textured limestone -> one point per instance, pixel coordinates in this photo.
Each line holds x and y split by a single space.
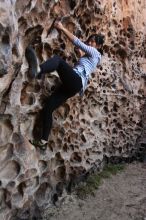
105 123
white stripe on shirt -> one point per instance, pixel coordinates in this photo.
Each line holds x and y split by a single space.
87 63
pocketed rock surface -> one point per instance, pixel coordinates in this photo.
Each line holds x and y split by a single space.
107 123
121 197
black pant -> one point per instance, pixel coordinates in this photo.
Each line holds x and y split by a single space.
71 84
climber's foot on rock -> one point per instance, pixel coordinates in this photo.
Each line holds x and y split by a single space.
42 144
31 58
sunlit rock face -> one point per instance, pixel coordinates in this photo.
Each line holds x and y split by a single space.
105 123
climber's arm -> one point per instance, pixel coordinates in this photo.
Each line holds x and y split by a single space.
60 27
91 51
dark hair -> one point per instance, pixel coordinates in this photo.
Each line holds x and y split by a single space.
99 39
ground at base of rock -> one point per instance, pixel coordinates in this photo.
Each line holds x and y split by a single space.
121 197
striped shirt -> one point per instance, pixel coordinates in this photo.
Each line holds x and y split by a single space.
87 63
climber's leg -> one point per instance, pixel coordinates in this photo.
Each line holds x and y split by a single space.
53 102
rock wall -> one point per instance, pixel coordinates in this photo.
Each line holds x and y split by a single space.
105 123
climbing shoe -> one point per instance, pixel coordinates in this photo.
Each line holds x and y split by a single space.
42 144
32 62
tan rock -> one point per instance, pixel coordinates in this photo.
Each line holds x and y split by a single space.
107 122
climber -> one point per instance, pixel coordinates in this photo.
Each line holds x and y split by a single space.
74 79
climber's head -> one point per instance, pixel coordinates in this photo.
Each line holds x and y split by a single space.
96 40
